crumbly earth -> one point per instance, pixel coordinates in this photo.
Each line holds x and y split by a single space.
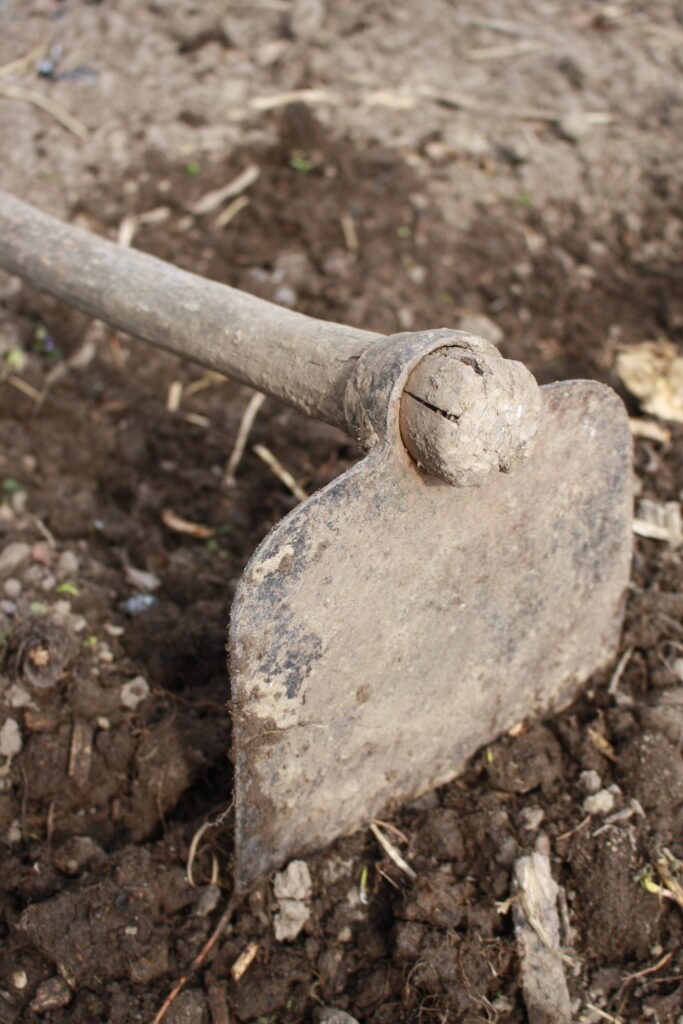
518 163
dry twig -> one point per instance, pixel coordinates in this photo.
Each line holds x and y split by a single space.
662 962
174 396
210 201
283 99
244 961
280 472
619 670
246 423
392 852
50 106
230 212
198 960
22 65
192 852
179 525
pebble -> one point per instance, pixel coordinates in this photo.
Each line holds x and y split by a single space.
531 818
294 882
20 980
427 802
134 692
481 326
17 696
189 1008
12 588
8 607
14 834
10 739
13 556
292 888
208 900
306 19
52 994
574 126
19 501
590 781
77 853
141 579
601 802
331 1015
285 296
68 564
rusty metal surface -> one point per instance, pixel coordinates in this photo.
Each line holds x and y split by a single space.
391 624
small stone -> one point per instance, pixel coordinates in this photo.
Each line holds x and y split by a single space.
289 919
285 296
13 834
189 1008
482 327
13 556
574 126
42 554
601 802
678 669
331 1015
19 501
427 802
294 882
12 588
20 980
17 696
8 607
141 579
306 19
52 994
134 692
10 739
531 818
208 900
49 581
67 565
61 609
77 853
292 888
590 781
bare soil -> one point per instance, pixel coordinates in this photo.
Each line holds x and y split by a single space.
567 235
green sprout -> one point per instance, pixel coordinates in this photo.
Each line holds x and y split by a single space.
67 587
15 360
10 485
300 162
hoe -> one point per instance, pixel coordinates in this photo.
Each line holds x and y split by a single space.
468 572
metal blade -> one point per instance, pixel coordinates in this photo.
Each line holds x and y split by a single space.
392 624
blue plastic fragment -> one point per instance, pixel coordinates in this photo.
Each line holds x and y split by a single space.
139 603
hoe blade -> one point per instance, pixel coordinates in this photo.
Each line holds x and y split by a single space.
392 624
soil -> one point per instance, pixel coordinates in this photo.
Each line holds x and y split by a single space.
565 234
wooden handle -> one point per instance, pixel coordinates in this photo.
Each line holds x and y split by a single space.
302 361
466 414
